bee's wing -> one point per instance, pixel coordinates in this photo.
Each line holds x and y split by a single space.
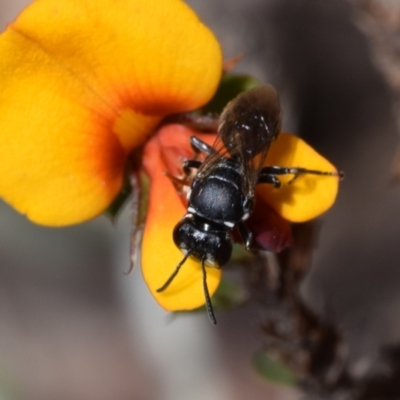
238 142
244 147
211 161
248 125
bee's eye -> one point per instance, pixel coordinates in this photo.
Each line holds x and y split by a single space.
223 250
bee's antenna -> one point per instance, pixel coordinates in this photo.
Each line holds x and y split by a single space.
209 306
173 275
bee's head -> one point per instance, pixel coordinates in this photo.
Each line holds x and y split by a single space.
193 235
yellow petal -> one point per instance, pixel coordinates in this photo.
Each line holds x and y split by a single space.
308 195
82 84
160 256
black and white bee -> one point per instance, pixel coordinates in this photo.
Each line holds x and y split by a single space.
222 193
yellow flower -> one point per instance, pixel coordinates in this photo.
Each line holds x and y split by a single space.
83 83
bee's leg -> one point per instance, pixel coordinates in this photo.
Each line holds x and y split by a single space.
296 171
178 181
246 234
269 177
186 180
189 164
199 146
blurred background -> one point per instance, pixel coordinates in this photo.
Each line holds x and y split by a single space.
74 326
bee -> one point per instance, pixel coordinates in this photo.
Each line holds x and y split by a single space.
222 192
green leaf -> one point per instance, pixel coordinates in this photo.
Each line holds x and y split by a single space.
274 370
228 295
230 86
240 254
